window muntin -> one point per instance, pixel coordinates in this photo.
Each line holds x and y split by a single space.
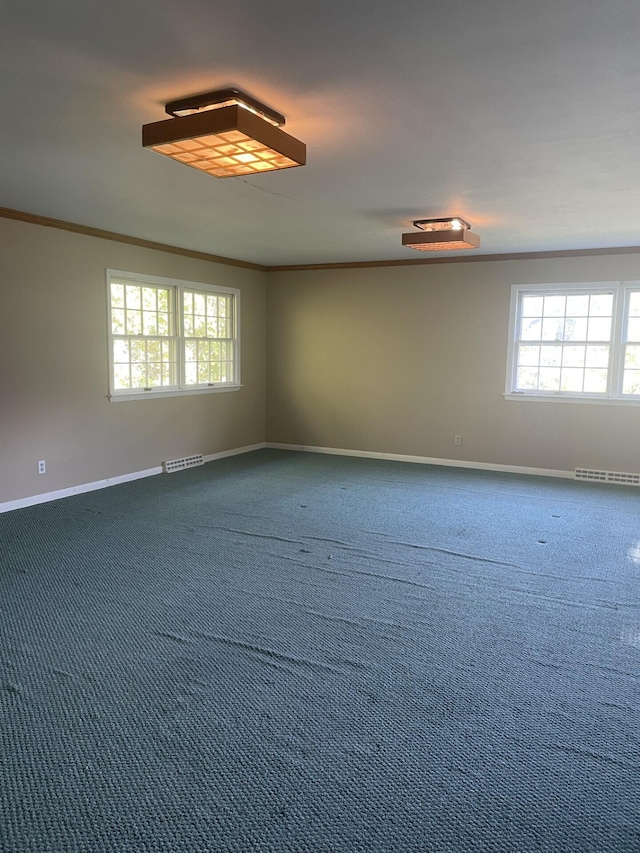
208 325
580 341
168 337
631 363
563 342
142 334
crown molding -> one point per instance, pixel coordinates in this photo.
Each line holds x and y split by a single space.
466 259
88 231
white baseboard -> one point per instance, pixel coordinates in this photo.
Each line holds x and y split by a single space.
428 460
334 451
211 457
32 500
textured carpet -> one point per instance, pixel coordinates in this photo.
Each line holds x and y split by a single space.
299 653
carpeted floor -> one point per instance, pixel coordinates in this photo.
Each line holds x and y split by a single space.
294 653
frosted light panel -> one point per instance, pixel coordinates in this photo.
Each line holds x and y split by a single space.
226 155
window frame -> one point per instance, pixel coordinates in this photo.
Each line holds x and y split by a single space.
177 287
621 291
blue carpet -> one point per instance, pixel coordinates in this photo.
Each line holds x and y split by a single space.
293 653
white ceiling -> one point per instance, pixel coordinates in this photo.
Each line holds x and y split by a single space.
522 117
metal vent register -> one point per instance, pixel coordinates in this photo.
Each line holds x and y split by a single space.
619 477
172 465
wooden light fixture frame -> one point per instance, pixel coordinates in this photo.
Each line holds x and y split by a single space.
225 133
439 235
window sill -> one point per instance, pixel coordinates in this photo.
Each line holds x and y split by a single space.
569 398
158 394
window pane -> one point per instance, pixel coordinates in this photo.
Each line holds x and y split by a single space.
554 306
138 375
531 330
575 329
149 298
595 381
132 296
571 379
154 375
549 379
117 296
191 351
121 352
532 306
134 323
631 383
117 321
632 357
550 356
121 376
527 379
552 329
573 357
578 305
191 373
149 323
599 329
597 357
138 350
199 303
601 305
529 356
633 329
634 303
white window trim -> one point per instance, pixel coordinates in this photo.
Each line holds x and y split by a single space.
614 396
178 285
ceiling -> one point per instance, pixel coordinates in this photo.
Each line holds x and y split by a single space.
521 117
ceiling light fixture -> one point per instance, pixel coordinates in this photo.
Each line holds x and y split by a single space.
225 133
438 235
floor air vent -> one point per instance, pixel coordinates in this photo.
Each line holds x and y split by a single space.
184 462
608 477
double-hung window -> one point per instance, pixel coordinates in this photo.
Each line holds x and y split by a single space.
575 342
170 337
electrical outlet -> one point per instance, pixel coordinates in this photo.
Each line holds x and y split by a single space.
42 467
457 440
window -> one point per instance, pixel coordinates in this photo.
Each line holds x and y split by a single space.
170 337
575 341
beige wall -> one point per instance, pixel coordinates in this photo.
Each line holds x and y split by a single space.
401 359
53 366
387 360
